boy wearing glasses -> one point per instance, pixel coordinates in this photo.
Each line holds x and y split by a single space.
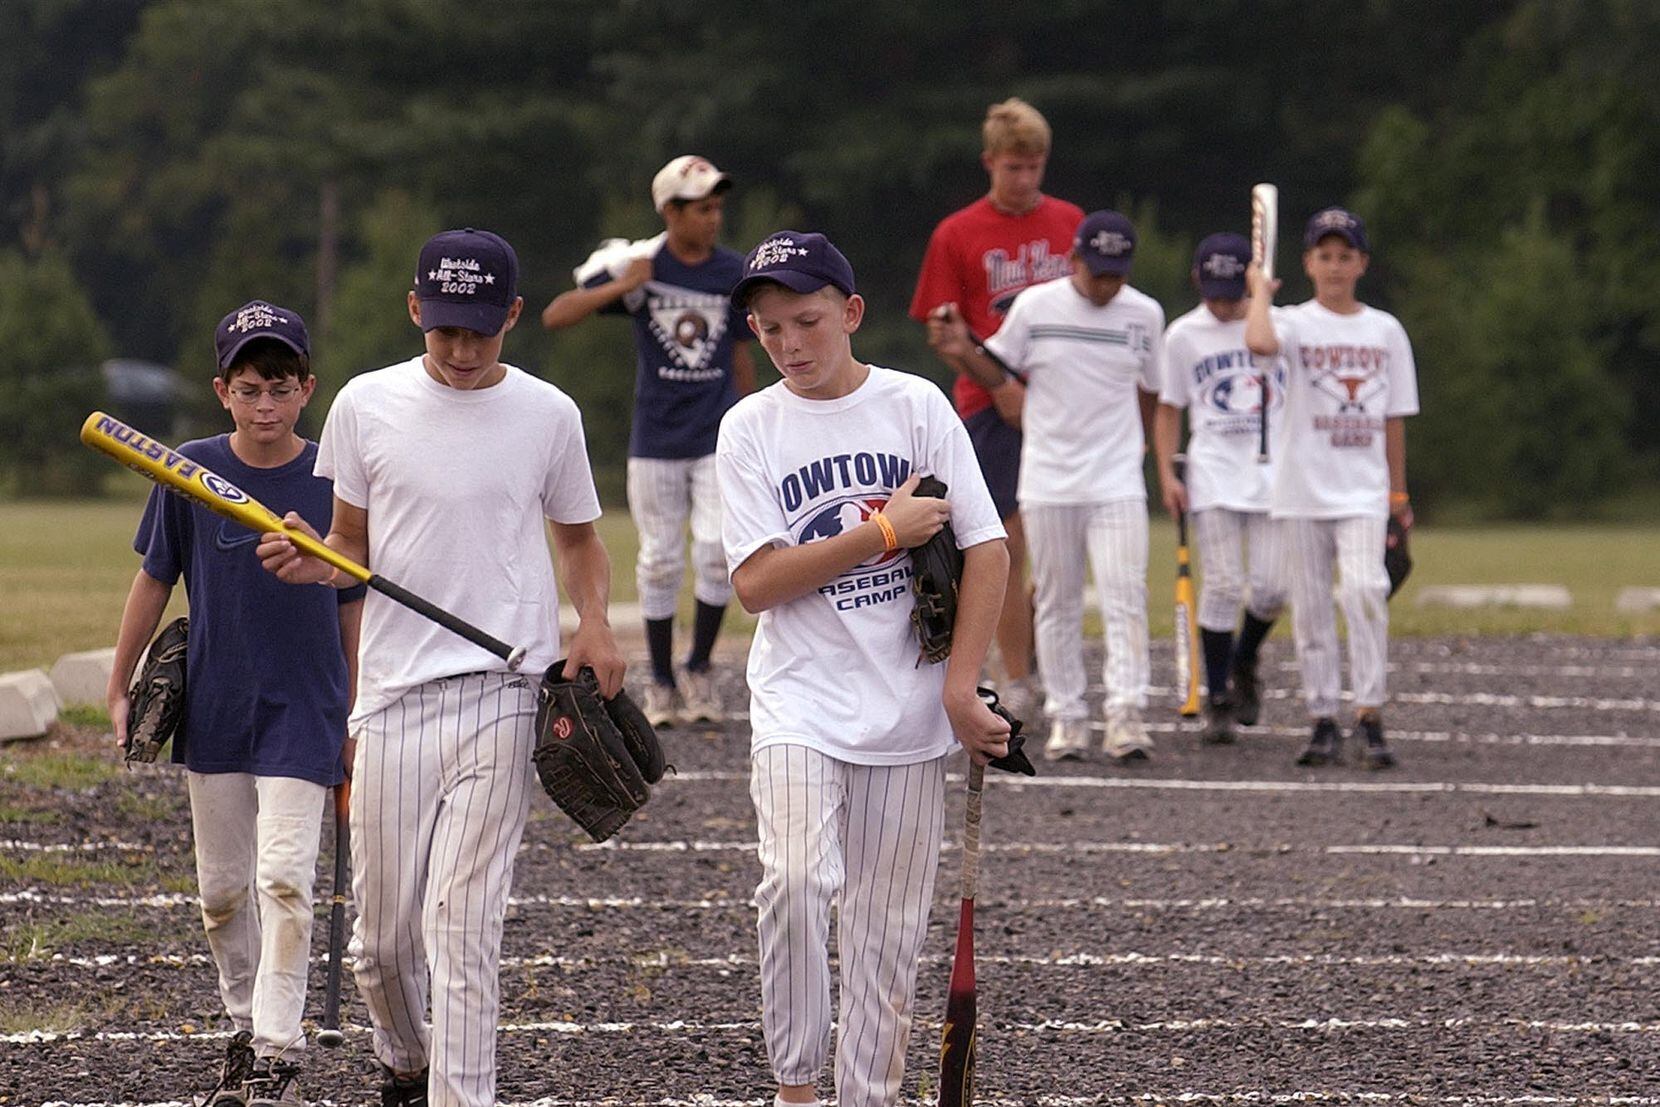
269 678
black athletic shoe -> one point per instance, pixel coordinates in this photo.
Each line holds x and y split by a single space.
1323 746
1376 755
1218 724
272 1085
233 1077
396 1091
1247 693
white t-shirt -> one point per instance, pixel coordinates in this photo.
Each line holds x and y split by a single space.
457 485
837 670
1208 370
1348 374
1082 441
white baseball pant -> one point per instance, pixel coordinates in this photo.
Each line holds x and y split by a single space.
663 493
1355 545
1113 536
1229 541
440 790
256 864
868 835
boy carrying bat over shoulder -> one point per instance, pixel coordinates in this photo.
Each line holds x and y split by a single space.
269 677
850 732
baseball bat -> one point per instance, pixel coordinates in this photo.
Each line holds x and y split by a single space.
177 473
330 1035
957 1040
944 312
1187 619
1265 229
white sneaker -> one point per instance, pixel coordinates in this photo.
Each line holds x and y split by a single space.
659 705
1126 738
700 703
1068 740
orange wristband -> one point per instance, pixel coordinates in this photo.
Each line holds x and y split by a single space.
1399 499
890 540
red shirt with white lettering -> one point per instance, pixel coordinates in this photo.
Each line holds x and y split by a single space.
979 257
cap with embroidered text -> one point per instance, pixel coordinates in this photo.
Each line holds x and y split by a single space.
800 262
1106 243
1220 262
687 177
466 278
259 319
1344 224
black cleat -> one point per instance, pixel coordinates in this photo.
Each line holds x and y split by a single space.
1247 693
1219 729
233 1077
1377 755
403 1091
1323 745
272 1084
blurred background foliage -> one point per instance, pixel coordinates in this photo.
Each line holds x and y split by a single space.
162 161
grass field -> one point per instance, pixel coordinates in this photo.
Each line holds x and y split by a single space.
65 568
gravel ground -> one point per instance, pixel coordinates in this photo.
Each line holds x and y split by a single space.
1215 926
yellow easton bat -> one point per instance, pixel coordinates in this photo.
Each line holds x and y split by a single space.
177 473
1187 615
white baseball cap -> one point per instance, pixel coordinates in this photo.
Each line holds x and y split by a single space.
687 177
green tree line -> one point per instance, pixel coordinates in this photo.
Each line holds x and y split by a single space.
161 161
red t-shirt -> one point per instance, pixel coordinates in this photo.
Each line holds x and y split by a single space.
980 257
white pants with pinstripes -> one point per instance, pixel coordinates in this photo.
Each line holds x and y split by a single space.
1242 564
868 835
1113 537
663 493
1355 545
440 789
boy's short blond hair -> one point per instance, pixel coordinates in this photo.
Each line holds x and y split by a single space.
1015 127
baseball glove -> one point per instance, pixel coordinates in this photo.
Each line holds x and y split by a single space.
596 758
1015 761
936 573
1397 557
156 699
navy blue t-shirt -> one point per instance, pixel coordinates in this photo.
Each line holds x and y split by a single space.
265 679
683 335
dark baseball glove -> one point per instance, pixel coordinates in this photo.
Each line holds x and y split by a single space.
936 573
1397 557
596 758
1015 761
155 712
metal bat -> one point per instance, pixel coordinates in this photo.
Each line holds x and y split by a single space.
1187 620
957 1040
330 1035
177 473
1265 230
943 312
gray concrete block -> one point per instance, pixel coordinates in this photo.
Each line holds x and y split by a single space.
83 677
1553 597
28 704
1637 601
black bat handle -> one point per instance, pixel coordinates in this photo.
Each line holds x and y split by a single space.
330 1034
513 656
1179 465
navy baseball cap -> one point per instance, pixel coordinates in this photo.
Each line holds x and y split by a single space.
800 262
466 279
1106 242
1220 262
1344 224
259 319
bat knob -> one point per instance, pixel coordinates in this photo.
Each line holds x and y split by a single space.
515 659
331 1039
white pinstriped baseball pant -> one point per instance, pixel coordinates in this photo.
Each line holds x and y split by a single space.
868 836
440 789
1355 545
1242 563
663 494
1113 537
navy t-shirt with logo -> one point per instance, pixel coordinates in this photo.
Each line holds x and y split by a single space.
683 335
265 678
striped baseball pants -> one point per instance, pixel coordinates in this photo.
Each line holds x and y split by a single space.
663 494
867 836
440 789
1242 562
1112 537
1355 546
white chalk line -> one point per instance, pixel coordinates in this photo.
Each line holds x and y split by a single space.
1435 737
1099 1100
1472 699
1047 1026
683 845
746 903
